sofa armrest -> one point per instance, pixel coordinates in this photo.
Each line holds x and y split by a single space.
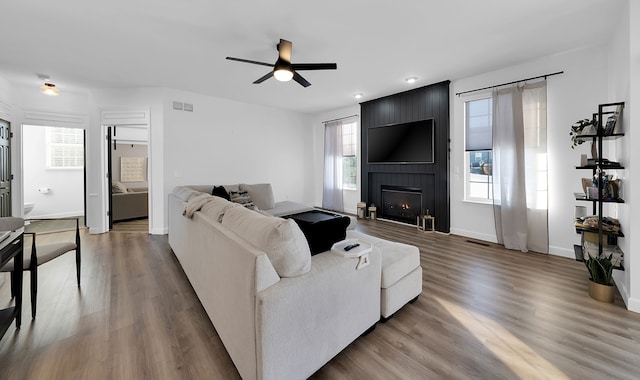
302 322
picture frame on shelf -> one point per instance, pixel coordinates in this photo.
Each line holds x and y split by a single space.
613 121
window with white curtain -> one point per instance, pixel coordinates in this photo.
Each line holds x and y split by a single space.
64 148
478 150
349 155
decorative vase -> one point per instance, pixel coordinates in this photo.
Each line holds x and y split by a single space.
594 150
599 292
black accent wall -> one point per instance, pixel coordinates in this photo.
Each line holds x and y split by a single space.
429 102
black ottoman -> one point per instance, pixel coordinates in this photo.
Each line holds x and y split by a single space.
322 229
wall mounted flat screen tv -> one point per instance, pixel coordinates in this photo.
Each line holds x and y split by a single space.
401 143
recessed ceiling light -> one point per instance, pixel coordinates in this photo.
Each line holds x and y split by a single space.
411 79
358 95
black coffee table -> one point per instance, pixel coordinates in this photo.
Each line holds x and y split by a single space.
321 228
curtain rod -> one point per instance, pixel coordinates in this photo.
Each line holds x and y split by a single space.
340 118
504 84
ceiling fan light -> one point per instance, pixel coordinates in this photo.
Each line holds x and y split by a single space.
283 74
50 89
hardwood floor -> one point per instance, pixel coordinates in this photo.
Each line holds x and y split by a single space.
485 313
135 225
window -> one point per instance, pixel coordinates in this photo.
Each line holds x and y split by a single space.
64 148
478 151
349 155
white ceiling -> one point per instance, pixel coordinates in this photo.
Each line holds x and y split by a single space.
183 44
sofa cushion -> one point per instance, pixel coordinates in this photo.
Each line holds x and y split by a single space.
118 187
220 191
201 188
216 208
261 194
282 240
242 198
184 193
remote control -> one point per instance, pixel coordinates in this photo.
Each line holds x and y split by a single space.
351 246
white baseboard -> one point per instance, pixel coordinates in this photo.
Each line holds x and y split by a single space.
473 235
562 252
633 304
53 216
159 231
95 231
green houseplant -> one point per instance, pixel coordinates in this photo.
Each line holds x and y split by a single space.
600 266
579 128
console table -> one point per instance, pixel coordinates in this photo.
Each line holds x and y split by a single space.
11 248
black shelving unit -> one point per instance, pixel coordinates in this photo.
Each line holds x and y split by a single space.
597 167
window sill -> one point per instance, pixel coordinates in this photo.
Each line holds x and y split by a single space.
350 188
487 202
75 168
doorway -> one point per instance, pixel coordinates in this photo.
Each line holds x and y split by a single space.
122 128
129 198
53 172
5 168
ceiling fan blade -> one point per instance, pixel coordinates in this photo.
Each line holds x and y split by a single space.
250 61
314 66
264 78
298 78
284 49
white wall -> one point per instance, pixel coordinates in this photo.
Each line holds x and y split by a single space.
350 197
571 96
66 186
226 142
633 119
5 99
624 84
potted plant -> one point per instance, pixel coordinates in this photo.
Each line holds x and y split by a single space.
579 129
600 266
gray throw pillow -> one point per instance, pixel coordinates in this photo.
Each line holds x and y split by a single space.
117 187
242 198
261 194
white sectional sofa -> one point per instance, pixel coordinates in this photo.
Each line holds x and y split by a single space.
280 312
273 327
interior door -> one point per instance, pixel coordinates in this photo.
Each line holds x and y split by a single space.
84 174
5 168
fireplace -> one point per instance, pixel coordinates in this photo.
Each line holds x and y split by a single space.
402 204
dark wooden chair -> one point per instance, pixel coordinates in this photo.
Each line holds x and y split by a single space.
37 254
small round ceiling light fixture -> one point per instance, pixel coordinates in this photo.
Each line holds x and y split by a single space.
359 95
411 80
49 88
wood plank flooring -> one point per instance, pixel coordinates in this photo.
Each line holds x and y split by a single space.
485 313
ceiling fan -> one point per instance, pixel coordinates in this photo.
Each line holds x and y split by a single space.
283 69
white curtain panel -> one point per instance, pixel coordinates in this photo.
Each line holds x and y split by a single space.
332 188
520 167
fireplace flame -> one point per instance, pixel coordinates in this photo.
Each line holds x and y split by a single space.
405 206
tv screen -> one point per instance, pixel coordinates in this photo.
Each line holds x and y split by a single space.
401 143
